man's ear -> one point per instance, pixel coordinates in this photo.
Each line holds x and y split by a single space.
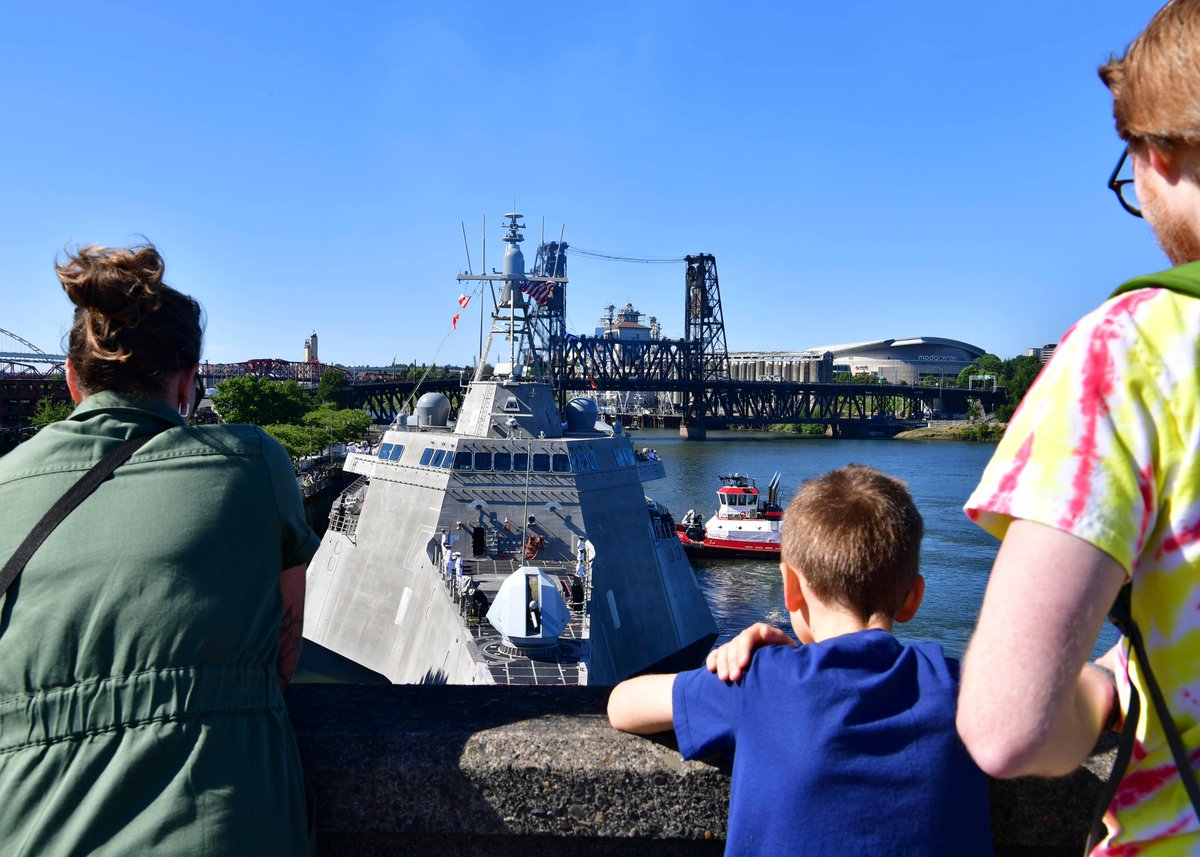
793 595
913 600
1165 164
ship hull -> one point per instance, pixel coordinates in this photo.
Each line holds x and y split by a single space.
378 595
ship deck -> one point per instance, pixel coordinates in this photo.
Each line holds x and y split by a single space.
508 666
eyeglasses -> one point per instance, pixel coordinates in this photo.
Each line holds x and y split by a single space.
1124 188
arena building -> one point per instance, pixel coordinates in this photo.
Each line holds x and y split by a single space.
895 361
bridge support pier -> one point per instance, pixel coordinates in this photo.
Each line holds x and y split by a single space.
694 431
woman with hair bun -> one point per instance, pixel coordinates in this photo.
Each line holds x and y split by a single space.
145 644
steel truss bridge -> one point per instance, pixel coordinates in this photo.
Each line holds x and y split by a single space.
305 374
851 409
693 372
21 359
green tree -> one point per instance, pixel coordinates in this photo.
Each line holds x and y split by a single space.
1020 373
299 441
260 401
337 426
49 411
1017 376
334 389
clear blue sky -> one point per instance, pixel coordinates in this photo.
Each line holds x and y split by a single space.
860 170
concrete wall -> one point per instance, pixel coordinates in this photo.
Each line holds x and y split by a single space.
441 770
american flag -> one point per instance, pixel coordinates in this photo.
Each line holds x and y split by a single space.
538 291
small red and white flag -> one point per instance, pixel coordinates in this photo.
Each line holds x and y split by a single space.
463 300
454 321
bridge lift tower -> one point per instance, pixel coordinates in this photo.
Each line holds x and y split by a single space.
708 355
548 323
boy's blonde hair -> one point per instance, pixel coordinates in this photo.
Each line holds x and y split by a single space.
855 535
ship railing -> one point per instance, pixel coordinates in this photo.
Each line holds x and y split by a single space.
662 528
310 485
651 469
343 517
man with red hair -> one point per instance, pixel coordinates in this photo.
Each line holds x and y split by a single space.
1097 485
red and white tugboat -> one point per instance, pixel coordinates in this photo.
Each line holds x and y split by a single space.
742 527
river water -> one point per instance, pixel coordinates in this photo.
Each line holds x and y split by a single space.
956 555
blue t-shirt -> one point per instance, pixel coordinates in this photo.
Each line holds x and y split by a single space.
847 746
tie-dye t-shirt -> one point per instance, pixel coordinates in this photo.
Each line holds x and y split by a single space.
1106 447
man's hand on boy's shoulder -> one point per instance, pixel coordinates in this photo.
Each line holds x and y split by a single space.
730 660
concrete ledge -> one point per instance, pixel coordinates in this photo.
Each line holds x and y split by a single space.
443 770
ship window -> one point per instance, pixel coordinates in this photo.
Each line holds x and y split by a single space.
448 460
561 463
427 455
438 457
512 405
520 461
483 461
502 461
593 461
397 451
578 461
384 450
541 462
462 460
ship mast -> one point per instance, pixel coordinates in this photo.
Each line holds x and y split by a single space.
513 310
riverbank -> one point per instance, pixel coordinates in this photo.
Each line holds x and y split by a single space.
978 432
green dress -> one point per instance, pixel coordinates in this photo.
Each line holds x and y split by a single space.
139 707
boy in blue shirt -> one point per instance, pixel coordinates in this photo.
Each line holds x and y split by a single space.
845 744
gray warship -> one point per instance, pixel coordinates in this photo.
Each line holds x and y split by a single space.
513 545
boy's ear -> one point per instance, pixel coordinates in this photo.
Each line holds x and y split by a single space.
913 601
793 595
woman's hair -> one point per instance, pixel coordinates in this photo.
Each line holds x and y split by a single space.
132 332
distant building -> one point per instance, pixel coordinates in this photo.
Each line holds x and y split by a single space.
626 325
1043 354
805 367
895 361
310 349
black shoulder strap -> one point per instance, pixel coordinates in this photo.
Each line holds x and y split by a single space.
1120 765
1121 616
75 495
